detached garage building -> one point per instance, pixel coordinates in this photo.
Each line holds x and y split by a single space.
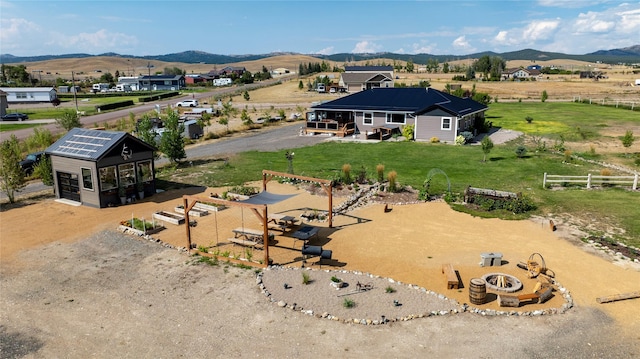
89 167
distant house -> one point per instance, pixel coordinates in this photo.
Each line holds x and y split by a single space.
280 71
359 78
194 79
132 81
162 82
534 67
30 94
89 167
519 73
228 71
379 111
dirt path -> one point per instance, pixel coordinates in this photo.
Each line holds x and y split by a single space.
70 276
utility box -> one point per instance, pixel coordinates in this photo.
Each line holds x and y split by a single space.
490 259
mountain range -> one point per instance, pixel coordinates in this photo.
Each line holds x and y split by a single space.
627 55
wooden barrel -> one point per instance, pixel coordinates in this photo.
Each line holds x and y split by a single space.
477 291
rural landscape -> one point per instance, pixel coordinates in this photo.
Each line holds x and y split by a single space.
547 186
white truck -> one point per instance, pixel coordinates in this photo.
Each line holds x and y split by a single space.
101 87
123 88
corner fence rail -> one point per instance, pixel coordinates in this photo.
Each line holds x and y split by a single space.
590 180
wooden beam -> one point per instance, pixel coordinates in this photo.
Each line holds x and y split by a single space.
616 297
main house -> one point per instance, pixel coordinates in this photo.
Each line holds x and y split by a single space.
162 82
93 167
382 111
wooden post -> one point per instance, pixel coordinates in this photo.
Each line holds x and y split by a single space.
266 235
544 181
635 182
186 218
589 181
615 297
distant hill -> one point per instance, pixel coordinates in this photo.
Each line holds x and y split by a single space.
625 55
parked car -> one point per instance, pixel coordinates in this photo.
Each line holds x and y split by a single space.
16 116
188 103
29 163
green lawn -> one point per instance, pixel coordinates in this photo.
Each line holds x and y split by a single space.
575 121
413 161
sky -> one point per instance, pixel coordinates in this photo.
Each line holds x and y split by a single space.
454 27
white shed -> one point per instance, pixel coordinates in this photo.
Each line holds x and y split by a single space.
29 94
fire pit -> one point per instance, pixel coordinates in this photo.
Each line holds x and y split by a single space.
502 282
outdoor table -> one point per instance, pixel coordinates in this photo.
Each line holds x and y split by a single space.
304 234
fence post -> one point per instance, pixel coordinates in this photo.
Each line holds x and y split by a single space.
544 180
635 182
589 181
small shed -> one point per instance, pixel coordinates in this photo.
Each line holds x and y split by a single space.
29 94
96 168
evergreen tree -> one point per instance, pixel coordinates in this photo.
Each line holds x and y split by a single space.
171 142
487 146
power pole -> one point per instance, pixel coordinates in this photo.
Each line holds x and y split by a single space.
73 85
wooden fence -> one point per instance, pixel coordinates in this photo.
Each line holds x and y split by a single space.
590 180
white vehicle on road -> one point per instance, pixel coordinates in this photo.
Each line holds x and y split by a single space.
188 103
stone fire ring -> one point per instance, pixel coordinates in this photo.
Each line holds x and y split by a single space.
512 283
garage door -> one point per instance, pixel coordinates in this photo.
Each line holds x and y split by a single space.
68 186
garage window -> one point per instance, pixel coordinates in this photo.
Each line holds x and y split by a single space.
87 179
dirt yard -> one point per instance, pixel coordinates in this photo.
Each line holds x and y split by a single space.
74 287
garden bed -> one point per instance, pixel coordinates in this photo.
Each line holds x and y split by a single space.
209 207
140 227
194 212
169 217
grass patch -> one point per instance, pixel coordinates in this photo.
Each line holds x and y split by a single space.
6 126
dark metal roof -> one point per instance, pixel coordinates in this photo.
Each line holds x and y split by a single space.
369 68
88 144
411 100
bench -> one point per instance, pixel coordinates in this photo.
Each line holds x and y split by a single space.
452 277
244 242
322 254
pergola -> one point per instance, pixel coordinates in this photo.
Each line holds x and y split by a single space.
258 206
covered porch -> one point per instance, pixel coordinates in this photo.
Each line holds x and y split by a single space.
338 123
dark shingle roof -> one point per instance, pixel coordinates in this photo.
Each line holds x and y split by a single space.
413 100
368 68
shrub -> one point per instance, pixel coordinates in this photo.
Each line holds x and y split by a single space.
529 119
407 132
348 303
434 139
392 177
567 155
390 289
346 173
468 136
544 96
362 176
460 140
306 279
521 151
380 172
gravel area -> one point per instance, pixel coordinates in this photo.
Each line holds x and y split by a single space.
116 296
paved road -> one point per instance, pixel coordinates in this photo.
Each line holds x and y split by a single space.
98 119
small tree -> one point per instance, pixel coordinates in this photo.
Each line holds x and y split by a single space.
628 139
11 175
545 96
227 113
171 142
529 119
246 119
487 146
246 95
44 171
68 120
521 151
300 85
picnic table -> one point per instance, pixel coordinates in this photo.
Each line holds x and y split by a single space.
248 237
304 234
281 221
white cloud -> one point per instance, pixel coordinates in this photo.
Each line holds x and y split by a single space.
539 30
326 51
504 38
364 47
12 30
629 22
99 41
592 22
461 43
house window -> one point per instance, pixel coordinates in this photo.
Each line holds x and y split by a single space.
108 178
87 179
144 171
396 118
21 95
367 118
127 174
446 123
